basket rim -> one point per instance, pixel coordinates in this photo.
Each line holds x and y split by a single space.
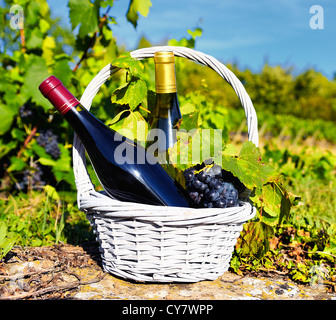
106 207
85 187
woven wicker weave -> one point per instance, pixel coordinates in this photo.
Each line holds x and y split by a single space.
158 243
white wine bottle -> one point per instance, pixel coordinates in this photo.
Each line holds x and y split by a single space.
167 112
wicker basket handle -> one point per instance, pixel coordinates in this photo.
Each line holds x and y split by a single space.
82 179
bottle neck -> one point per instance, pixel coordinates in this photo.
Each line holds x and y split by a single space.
167 107
60 97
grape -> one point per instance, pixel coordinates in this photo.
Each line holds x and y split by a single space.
233 193
189 174
212 187
229 177
25 111
212 195
203 187
229 190
231 202
196 183
188 185
217 185
221 203
48 140
202 176
193 195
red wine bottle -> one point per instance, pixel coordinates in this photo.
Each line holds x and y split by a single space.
167 112
125 170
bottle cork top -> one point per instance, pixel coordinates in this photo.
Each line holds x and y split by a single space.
164 57
165 80
53 89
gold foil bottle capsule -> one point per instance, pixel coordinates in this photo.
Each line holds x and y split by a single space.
165 80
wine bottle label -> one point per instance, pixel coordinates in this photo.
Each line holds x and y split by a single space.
165 80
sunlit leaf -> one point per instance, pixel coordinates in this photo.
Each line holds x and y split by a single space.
135 7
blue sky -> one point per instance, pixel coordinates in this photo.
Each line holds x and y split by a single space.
243 31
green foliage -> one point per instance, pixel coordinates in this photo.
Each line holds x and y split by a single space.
30 55
40 218
303 243
7 240
289 233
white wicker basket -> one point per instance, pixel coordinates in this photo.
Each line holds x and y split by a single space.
159 243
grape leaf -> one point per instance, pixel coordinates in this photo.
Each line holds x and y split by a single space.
196 33
36 72
273 203
62 70
44 25
185 151
35 40
247 167
6 147
125 61
117 117
135 7
6 117
134 127
131 93
189 120
86 14
187 108
254 238
51 192
17 164
48 47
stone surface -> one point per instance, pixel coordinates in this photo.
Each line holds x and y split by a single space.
229 286
68 272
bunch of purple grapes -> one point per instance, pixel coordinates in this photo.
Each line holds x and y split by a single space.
26 111
212 187
48 140
32 178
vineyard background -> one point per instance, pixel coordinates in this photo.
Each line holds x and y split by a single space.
296 114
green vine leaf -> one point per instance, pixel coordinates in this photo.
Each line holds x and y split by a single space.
7 115
135 7
133 126
254 239
62 70
273 202
248 167
131 93
86 14
125 61
36 72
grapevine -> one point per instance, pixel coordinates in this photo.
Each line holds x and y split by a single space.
300 107
49 141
